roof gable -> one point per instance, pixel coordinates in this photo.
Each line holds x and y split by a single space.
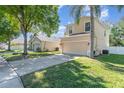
43 37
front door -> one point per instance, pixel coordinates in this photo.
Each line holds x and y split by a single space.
36 46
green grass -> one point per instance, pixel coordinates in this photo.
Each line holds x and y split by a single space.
40 54
5 51
105 71
13 57
2 50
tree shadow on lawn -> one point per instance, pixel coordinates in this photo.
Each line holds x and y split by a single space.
67 75
115 68
113 62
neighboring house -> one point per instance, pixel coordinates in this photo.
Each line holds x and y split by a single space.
17 44
77 38
3 45
43 43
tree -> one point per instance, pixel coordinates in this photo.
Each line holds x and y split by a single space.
8 31
121 23
28 17
119 7
117 32
117 36
77 11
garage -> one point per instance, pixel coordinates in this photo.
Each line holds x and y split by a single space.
76 45
76 48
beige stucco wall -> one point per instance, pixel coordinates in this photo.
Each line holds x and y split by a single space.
76 38
101 36
78 27
50 45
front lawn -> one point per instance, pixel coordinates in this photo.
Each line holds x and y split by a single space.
5 51
2 50
17 55
101 72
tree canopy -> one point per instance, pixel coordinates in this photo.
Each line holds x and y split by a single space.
45 17
29 17
8 30
117 36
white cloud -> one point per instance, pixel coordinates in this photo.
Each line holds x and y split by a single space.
61 27
86 11
87 8
69 22
104 14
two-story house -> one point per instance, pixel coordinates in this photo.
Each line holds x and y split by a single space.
77 37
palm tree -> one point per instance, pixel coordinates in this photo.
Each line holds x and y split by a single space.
119 7
76 12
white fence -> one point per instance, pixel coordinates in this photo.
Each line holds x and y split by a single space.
116 50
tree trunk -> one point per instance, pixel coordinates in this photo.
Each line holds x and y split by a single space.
9 44
92 32
23 30
25 43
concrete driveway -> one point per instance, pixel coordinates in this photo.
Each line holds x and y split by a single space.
10 73
27 66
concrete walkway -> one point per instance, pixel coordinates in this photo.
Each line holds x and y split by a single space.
8 77
9 73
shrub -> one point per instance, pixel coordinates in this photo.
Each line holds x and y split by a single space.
38 49
46 50
57 49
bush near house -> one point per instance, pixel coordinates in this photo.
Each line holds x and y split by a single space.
57 49
38 49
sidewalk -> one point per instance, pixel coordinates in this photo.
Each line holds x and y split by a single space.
8 76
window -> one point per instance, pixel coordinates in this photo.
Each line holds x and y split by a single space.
70 30
104 33
87 26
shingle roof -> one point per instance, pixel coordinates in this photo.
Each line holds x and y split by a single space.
45 38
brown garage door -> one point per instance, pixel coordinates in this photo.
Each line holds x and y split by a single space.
78 48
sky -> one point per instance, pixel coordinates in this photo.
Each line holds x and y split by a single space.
109 14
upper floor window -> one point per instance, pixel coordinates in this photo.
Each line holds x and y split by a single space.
104 33
70 30
87 26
